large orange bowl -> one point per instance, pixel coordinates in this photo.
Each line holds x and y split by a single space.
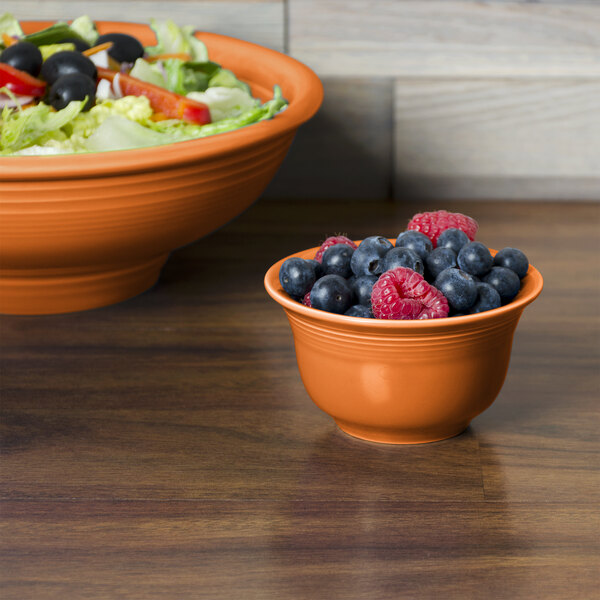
88 230
402 382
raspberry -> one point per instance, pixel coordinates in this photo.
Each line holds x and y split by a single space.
432 224
404 294
306 299
332 241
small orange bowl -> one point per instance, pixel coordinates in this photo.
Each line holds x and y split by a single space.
87 230
402 382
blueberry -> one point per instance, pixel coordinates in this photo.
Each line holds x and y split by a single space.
475 258
403 257
415 240
363 286
506 282
513 259
331 293
316 265
336 260
459 288
359 310
296 276
440 259
368 257
487 298
452 238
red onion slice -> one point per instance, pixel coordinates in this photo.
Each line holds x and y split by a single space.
117 87
6 100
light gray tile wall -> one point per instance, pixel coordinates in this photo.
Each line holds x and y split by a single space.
259 21
495 138
429 38
492 99
346 150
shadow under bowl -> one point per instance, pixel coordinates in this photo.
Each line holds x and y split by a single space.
88 230
402 382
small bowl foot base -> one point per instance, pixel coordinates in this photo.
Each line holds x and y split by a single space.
402 436
52 291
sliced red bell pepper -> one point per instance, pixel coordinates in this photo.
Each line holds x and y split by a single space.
172 105
20 82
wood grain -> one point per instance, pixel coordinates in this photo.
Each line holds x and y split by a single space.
259 21
165 446
408 38
295 550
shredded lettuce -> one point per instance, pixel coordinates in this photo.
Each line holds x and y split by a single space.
173 39
118 132
225 103
134 108
247 117
176 75
68 129
150 73
183 77
124 123
226 78
22 128
9 25
84 27
50 49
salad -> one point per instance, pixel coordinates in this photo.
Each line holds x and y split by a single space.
67 89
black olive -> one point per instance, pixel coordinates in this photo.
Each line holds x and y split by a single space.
125 48
80 45
73 86
66 62
24 56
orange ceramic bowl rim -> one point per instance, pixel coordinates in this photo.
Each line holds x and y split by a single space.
531 287
301 108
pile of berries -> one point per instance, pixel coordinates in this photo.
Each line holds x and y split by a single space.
436 269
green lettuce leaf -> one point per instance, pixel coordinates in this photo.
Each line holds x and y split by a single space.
183 77
173 39
148 72
226 78
84 27
120 133
52 35
50 49
175 74
22 128
252 115
9 25
225 103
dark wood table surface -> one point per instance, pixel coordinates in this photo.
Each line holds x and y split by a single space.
166 448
